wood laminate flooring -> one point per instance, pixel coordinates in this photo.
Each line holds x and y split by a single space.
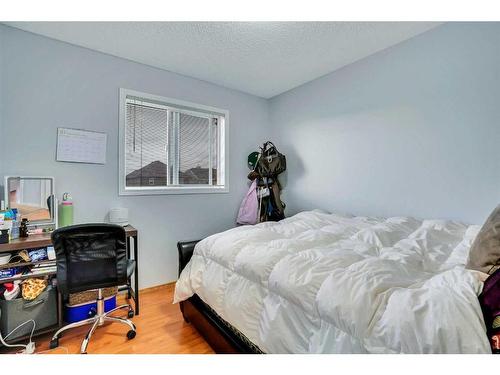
160 329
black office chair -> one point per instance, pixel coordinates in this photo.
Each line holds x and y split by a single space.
89 257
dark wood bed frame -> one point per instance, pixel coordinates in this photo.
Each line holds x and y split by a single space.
218 333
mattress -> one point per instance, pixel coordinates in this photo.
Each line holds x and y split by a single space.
321 282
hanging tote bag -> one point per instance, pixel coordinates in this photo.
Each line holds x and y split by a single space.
249 208
271 162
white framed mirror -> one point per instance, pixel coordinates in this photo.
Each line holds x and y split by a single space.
33 197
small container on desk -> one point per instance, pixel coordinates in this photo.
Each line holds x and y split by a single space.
4 236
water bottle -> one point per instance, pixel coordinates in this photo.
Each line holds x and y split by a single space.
66 211
14 231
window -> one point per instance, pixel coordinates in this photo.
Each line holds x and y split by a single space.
169 146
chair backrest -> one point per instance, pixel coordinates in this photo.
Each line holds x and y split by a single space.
90 256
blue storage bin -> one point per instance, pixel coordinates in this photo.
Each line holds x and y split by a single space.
76 313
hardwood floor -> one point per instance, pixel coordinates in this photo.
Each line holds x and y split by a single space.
160 329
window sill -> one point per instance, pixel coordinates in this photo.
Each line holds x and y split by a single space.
174 190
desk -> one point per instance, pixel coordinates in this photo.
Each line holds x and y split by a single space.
42 240
134 293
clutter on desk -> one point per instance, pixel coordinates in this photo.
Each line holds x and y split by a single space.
23 229
37 204
4 236
9 225
12 226
15 230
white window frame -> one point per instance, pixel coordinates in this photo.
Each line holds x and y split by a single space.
185 106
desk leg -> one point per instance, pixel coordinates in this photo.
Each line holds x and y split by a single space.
60 301
136 277
129 281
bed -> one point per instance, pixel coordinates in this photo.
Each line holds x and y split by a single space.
321 282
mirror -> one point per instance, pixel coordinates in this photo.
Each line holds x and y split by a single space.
33 197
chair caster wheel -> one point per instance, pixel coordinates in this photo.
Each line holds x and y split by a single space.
131 334
130 314
54 343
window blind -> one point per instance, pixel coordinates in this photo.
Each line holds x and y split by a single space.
166 146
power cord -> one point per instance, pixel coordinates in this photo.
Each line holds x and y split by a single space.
28 348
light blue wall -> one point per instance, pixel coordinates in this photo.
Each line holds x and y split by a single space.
412 130
1 112
49 84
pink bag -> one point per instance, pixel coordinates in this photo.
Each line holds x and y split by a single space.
248 213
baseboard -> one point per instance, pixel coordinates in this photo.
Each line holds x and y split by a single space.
170 285
166 287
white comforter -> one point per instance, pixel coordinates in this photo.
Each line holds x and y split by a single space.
329 283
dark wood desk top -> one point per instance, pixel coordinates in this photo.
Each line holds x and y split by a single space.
42 240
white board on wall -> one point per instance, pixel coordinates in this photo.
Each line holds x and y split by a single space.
81 146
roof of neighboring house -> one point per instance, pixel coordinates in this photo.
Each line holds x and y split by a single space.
155 169
194 175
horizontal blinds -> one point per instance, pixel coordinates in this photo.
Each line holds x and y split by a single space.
194 149
168 147
146 143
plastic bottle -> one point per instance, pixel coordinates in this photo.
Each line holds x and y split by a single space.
11 290
23 228
66 211
14 231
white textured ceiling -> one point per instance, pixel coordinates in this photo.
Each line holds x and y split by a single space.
260 58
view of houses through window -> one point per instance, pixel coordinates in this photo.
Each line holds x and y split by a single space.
166 146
